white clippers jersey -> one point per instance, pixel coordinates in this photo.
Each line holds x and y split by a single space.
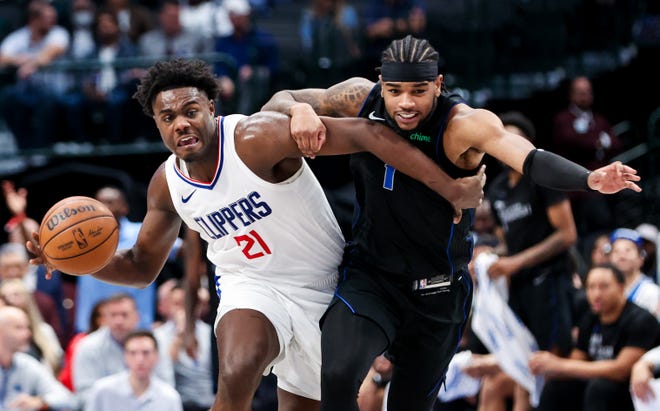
283 232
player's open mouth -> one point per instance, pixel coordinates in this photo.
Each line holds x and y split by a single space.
186 141
406 117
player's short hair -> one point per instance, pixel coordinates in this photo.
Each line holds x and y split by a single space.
175 73
409 60
410 50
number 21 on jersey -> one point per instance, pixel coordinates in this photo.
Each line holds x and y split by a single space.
253 246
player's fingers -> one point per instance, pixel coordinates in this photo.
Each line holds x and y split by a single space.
633 186
458 214
628 169
320 140
631 177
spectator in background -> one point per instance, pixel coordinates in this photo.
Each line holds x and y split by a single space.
30 50
105 92
100 353
19 228
209 18
387 20
484 220
600 250
83 43
27 384
582 134
628 256
134 19
135 388
96 321
44 344
331 42
585 136
170 38
247 86
164 302
91 290
650 238
14 264
536 263
191 375
610 340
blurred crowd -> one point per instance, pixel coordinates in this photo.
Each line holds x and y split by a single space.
76 62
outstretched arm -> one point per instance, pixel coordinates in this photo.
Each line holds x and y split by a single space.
483 130
270 133
141 264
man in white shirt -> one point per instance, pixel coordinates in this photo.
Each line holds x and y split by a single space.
135 389
29 49
27 384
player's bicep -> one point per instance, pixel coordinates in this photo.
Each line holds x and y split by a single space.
484 131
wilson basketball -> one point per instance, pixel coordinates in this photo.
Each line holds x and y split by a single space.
78 235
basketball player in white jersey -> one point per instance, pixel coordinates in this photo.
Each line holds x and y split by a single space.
242 184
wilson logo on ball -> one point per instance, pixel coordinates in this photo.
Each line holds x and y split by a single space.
78 235
66 213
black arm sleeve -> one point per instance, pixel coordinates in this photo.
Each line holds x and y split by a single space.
550 170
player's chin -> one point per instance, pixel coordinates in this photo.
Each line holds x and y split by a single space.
184 151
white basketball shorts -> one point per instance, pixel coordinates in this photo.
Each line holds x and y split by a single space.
295 313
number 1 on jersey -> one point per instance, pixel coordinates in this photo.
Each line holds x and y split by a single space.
248 241
388 180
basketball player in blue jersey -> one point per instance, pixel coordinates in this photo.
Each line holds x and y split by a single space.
404 285
242 184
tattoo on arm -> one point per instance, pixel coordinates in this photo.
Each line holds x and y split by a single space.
345 101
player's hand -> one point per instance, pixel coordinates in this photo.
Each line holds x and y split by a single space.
34 247
639 381
307 130
471 193
613 178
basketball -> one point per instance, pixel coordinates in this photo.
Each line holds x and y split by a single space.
78 235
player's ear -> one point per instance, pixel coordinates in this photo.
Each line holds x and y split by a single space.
438 85
212 106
